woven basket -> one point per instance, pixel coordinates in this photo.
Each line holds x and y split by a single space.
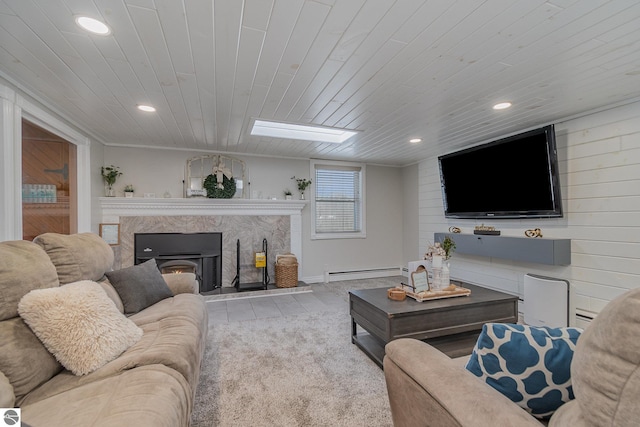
286 271
287 276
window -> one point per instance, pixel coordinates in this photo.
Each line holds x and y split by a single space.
338 205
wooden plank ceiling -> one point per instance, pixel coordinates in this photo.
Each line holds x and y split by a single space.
392 69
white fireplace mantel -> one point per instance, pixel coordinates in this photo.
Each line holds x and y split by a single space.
115 207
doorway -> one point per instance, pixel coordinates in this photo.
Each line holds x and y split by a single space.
49 178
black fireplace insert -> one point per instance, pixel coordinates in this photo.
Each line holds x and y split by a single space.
204 250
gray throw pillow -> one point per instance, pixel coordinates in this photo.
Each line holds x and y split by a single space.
139 286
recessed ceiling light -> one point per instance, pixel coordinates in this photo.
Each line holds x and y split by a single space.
146 108
93 25
304 132
502 106
415 140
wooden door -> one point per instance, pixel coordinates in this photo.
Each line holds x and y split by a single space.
49 200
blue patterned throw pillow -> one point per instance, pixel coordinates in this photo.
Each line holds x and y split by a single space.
530 365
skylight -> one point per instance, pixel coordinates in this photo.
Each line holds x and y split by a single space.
304 132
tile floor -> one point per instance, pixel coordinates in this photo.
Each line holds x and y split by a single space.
319 297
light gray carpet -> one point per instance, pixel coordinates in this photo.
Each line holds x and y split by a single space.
297 370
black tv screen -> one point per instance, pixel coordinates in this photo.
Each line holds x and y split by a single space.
514 177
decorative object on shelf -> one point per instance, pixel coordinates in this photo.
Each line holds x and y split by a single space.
303 183
454 230
536 232
220 171
195 193
287 194
110 174
128 190
224 189
486 230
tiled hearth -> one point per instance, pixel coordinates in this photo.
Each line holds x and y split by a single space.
248 220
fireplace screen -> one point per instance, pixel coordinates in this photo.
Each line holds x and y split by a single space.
178 266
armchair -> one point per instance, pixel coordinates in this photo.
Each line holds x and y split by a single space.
426 388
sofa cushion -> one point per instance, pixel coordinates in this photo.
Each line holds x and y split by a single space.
112 293
7 396
606 367
148 396
174 336
83 256
182 283
530 365
24 266
139 286
79 325
24 360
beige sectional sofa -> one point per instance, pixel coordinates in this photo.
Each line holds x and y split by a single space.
151 383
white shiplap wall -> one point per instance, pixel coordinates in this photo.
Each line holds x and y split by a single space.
599 162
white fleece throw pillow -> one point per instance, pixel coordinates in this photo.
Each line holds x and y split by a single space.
79 324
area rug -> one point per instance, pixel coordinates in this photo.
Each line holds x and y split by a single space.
299 370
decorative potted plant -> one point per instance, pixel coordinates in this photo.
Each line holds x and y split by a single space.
303 183
439 255
128 190
109 175
449 247
287 194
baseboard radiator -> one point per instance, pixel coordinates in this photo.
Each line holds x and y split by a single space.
585 317
367 273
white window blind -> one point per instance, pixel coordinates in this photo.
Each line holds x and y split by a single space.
338 199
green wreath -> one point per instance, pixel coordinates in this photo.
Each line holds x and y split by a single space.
213 192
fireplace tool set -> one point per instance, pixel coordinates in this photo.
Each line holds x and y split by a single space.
260 262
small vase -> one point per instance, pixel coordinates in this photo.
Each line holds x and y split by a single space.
445 278
287 197
128 194
436 279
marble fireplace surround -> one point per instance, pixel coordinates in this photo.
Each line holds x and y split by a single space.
251 221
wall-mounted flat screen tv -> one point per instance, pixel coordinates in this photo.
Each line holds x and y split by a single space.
514 177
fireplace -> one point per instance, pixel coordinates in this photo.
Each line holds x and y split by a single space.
179 266
200 253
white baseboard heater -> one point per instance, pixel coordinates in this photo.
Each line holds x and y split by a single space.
366 273
584 315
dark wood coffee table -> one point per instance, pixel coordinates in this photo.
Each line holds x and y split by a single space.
452 325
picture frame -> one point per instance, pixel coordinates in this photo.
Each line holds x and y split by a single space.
420 281
110 233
